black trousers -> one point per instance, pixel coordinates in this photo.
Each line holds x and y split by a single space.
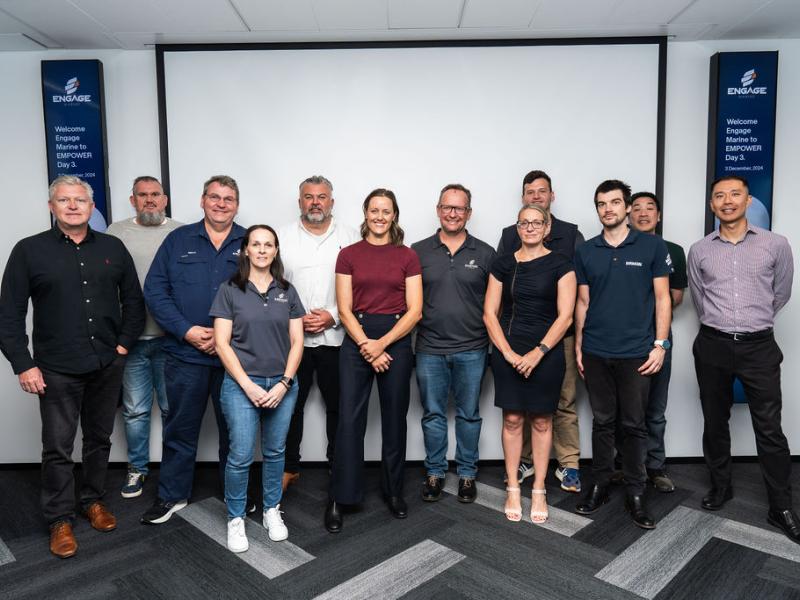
324 361
90 398
618 392
718 359
355 379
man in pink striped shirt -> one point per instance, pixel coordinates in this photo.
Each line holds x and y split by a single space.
740 276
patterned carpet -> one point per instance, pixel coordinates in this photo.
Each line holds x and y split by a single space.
443 550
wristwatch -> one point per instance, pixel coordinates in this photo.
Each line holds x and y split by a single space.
543 347
665 345
288 382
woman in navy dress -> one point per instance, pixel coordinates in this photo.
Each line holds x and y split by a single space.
536 289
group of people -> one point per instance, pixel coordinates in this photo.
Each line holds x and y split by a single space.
249 317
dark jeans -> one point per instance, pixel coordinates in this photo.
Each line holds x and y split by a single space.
757 363
325 361
188 387
618 391
356 376
91 398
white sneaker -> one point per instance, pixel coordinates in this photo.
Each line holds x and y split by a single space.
273 523
237 538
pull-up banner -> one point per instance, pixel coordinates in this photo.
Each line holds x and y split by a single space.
741 127
74 123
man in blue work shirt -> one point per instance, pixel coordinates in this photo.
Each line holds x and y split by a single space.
189 267
623 279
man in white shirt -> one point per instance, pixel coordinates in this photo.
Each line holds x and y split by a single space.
309 248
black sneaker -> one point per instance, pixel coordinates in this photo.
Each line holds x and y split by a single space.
432 490
161 511
467 490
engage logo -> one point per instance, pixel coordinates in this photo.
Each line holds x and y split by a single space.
747 88
70 96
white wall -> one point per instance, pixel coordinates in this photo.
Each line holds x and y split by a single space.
133 150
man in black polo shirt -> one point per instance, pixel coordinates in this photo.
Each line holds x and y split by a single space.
452 341
88 311
623 279
565 238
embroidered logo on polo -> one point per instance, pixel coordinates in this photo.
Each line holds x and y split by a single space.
281 298
632 263
471 265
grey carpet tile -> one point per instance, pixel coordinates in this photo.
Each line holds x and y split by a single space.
269 558
398 575
781 571
725 571
771 541
566 523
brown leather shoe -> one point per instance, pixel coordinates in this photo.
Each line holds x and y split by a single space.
100 517
62 540
289 479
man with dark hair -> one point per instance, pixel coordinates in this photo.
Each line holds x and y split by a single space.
309 248
87 313
188 268
452 341
740 276
564 237
144 369
644 217
622 283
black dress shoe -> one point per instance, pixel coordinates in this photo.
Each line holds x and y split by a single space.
333 517
593 500
467 492
432 490
717 497
397 506
786 520
635 506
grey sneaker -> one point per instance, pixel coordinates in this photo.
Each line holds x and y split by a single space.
134 482
660 480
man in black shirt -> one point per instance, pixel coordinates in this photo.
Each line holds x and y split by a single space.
88 311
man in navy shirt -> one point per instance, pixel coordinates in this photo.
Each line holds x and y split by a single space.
623 279
186 273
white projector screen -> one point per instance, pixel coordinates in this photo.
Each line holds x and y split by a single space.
411 119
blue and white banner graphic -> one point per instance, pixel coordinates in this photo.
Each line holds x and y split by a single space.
743 93
74 123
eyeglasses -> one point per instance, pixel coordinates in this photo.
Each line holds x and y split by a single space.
215 198
459 210
531 224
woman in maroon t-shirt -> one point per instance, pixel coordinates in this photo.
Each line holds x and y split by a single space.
379 297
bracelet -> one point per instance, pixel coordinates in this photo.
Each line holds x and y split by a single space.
286 382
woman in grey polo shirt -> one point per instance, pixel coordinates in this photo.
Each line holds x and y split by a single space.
258 330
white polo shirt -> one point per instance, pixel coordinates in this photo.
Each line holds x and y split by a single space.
310 262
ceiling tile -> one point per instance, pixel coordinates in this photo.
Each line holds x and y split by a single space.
351 14
63 22
779 19
498 13
14 42
573 13
163 16
719 11
277 15
424 14
635 12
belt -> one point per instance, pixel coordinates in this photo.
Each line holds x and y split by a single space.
738 336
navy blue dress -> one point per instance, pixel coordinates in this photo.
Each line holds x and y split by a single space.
529 308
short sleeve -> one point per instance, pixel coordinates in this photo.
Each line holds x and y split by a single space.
678 280
580 269
223 303
296 309
344 262
662 265
501 266
413 266
565 266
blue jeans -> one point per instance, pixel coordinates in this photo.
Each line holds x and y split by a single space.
438 375
243 419
144 375
655 416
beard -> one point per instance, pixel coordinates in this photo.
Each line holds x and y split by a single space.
150 219
316 217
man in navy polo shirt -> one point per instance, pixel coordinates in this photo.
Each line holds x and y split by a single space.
623 279
183 280
564 237
452 341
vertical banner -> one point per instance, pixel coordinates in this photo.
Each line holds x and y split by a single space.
741 127
741 134
74 123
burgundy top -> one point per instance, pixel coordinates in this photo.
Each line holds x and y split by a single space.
379 275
